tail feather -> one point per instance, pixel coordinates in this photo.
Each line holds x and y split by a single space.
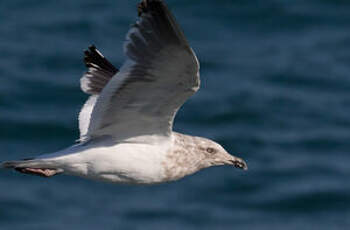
21 164
33 167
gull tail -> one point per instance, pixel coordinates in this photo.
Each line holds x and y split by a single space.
36 167
20 163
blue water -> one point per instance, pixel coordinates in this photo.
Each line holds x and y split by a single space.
275 91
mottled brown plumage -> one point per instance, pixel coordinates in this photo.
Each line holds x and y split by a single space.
191 154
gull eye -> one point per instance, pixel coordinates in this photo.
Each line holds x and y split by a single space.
211 150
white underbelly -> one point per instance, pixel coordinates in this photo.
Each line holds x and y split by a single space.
123 163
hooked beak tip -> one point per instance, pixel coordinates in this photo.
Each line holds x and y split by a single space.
239 163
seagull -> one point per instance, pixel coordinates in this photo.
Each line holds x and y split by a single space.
126 125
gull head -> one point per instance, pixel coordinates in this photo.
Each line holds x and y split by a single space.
190 154
215 155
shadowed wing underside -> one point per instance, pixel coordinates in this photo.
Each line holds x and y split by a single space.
160 73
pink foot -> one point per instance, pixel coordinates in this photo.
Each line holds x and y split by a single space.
38 172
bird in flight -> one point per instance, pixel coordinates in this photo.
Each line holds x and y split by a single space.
126 125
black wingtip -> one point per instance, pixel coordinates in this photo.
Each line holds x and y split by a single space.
92 47
141 8
145 6
98 68
93 56
91 51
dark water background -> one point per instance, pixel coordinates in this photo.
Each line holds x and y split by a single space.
275 90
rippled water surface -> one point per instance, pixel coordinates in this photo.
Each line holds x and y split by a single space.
275 90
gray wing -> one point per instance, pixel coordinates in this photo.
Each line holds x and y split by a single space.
161 72
100 72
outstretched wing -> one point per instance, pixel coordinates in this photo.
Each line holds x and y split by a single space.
161 72
100 71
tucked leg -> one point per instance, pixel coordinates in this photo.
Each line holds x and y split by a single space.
39 172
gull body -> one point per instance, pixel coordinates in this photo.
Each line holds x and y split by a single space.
126 162
126 125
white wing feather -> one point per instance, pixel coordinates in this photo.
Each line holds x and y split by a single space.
85 115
